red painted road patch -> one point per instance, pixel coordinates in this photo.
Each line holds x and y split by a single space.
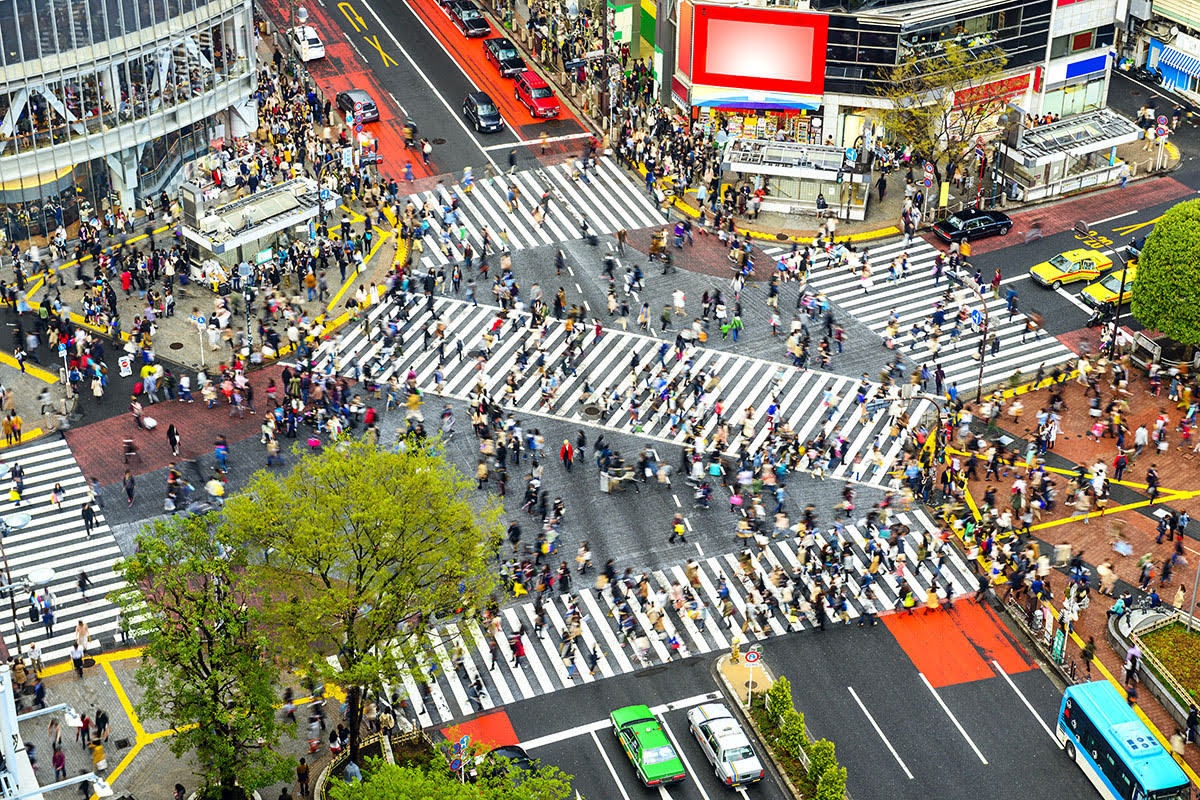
950 647
489 731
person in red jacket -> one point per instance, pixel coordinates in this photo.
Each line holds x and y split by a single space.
566 454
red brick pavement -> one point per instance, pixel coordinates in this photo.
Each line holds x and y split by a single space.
1060 217
98 446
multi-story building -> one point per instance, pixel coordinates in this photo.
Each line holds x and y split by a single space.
814 68
103 101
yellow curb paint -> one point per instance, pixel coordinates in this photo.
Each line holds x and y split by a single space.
123 699
32 369
27 435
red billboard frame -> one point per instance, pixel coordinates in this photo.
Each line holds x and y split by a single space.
775 24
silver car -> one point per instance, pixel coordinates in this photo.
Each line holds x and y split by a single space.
725 744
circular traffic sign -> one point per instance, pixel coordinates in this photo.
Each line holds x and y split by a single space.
976 317
928 182
979 141
851 154
928 168
358 106
751 656
456 748
1161 130
456 765
358 127
1162 119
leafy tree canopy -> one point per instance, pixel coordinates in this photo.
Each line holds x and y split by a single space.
393 782
1166 294
204 670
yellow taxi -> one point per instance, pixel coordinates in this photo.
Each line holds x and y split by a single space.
1073 265
1103 292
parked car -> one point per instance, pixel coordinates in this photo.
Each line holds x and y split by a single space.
501 52
535 95
972 223
482 112
725 744
347 99
1070 267
469 19
647 746
307 43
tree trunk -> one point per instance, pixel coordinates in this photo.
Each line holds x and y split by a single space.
353 717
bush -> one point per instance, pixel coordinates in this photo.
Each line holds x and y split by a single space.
832 785
779 697
792 735
821 757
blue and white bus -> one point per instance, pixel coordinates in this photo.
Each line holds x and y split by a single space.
1103 735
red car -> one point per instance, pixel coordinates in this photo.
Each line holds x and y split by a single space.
535 95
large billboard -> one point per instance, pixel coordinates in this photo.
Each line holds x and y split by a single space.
759 49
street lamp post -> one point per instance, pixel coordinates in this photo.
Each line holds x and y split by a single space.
7 525
983 341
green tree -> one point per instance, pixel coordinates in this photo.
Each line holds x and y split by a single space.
383 781
1166 294
833 784
204 669
942 101
369 548
779 696
821 757
792 734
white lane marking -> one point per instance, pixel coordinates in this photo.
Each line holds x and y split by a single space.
953 718
566 138
603 724
687 766
879 730
1028 705
1110 219
662 793
1074 300
457 117
742 791
608 763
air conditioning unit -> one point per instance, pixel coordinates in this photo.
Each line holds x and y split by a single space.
210 223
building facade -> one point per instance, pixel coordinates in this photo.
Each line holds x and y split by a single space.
813 71
103 101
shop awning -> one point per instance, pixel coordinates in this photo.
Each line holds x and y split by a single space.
1180 61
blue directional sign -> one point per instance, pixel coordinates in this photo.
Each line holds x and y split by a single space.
976 317
851 154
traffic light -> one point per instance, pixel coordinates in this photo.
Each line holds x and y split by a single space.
841 175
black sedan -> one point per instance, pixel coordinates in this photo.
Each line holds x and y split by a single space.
503 54
468 18
482 112
972 223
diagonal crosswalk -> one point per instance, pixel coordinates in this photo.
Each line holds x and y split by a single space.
809 401
913 296
437 681
606 196
56 539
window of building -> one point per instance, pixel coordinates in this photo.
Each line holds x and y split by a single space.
1082 41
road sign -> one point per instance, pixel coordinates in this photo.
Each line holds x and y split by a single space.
1161 130
358 107
358 127
62 349
200 320
125 366
464 741
976 317
751 656
347 158
456 748
928 168
324 194
1162 119
456 765
851 154
928 182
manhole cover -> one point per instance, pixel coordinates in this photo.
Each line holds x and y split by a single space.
751 685
783 237
176 345
1134 92
554 123
123 744
591 412
438 141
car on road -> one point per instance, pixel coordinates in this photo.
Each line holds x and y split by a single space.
482 112
725 744
469 19
307 43
1134 249
347 99
535 95
972 223
1069 267
645 742
510 759
1103 293
501 52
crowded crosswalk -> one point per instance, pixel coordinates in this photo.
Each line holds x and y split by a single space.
913 297
531 208
52 550
457 671
597 385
